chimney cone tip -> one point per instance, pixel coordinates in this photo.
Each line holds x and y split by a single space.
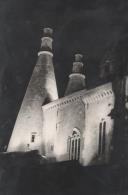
47 32
78 57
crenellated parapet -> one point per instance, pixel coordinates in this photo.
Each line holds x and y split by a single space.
89 97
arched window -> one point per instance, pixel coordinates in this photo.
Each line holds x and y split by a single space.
102 138
74 145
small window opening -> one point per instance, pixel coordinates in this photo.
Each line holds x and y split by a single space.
33 138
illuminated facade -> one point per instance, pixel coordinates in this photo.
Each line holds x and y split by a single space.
78 126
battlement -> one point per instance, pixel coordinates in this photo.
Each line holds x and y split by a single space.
90 96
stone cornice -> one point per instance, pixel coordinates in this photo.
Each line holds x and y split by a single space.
88 97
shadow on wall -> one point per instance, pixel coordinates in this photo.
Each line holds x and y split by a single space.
119 114
102 159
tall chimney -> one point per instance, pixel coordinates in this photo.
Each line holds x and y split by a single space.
45 56
27 132
76 78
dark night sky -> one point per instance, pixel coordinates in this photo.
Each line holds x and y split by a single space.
89 27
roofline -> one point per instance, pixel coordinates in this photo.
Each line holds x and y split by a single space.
77 94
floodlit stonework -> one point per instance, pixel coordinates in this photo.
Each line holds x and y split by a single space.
85 111
78 126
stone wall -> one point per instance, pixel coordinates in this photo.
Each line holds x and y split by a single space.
84 111
98 107
29 122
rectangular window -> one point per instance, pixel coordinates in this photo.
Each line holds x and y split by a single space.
33 136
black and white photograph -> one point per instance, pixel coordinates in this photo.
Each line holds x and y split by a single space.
64 97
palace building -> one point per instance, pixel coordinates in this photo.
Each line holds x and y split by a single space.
79 126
